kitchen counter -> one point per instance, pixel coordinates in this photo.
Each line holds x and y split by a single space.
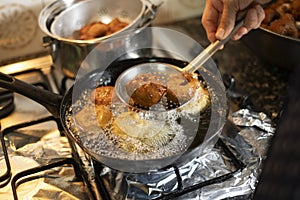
266 84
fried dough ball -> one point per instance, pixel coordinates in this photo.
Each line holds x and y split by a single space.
96 113
282 16
104 115
183 86
153 133
285 26
98 29
295 7
115 25
270 15
199 103
102 95
140 80
147 90
147 95
94 30
91 118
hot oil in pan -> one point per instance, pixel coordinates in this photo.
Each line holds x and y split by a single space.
123 133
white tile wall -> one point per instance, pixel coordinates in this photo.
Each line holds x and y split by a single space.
19 31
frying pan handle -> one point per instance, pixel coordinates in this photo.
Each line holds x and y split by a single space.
49 100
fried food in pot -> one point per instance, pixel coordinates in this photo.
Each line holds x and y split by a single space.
147 90
116 25
102 95
183 87
140 80
296 9
93 30
285 26
199 103
98 29
104 115
270 15
91 118
141 131
96 113
147 95
282 17
153 133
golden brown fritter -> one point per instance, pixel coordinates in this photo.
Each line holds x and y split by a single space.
147 90
93 119
270 15
98 29
116 25
296 9
93 30
102 95
282 16
183 86
147 95
285 26
104 115
140 80
149 133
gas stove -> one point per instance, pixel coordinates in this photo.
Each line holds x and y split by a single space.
38 157
30 135
39 161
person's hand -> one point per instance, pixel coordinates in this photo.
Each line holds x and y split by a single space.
219 17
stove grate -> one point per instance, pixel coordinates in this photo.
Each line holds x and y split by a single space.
28 175
182 191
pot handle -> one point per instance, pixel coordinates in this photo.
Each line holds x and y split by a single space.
150 12
47 41
49 100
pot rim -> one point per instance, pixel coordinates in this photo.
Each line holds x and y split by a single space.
279 35
53 7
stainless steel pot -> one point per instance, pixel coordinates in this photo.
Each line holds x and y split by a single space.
273 48
280 50
61 19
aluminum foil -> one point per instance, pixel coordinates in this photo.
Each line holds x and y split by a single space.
247 135
57 183
214 175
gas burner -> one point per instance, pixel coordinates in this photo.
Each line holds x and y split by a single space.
177 184
30 174
226 165
238 97
32 76
7 105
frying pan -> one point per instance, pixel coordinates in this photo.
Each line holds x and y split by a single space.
59 106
